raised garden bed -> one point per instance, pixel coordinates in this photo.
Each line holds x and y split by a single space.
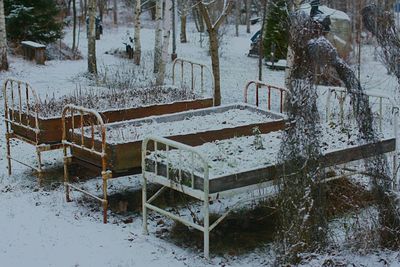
238 162
113 106
234 166
123 140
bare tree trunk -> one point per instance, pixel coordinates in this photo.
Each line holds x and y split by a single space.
115 12
248 8
184 13
261 48
81 8
3 39
183 28
198 19
167 25
74 27
237 17
85 9
92 66
101 8
138 49
158 36
214 46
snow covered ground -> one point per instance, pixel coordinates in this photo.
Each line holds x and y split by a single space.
38 228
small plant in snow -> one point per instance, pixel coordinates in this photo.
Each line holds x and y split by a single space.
258 142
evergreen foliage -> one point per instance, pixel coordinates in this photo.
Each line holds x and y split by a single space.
33 20
276 31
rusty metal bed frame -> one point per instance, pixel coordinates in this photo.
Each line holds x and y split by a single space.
87 150
258 85
93 120
21 113
17 104
193 67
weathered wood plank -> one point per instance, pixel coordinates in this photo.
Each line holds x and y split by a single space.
271 172
51 128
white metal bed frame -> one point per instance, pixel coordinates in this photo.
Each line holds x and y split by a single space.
203 194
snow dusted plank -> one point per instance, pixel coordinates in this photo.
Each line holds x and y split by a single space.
329 159
124 156
33 44
238 162
51 128
270 172
203 120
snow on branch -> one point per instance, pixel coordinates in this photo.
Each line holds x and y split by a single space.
203 9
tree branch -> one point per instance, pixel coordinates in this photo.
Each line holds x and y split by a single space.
205 15
227 8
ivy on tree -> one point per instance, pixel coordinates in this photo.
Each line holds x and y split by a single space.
33 20
276 31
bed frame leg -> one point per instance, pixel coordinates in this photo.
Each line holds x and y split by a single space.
144 208
105 201
395 170
206 230
66 179
39 159
8 153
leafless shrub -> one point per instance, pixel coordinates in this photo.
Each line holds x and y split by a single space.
303 225
126 75
382 24
106 99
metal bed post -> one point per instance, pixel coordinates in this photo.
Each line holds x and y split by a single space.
258 86
395 113
206 222
183 63
105 174
11 119
202 195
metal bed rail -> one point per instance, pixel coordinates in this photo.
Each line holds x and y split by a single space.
371 95
21 109
270 88
160 143
342 95
193 68
88 120
156 175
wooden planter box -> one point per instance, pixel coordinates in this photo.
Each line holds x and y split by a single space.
51 128
125 158
270 172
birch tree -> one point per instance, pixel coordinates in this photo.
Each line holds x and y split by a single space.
158 36
138 49
237 18
212 28
167 26
92 65
3 39
74 22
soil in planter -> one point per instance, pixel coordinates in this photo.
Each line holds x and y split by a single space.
108 99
